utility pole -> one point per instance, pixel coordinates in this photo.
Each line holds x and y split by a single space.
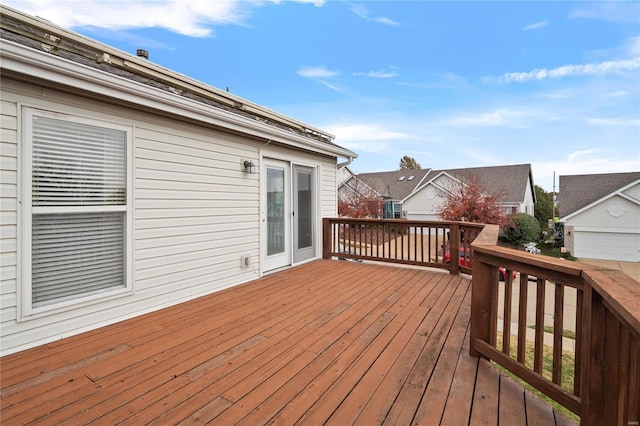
553 201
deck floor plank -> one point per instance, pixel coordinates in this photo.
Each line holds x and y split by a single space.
328 342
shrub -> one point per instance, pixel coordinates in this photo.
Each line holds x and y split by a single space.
523 229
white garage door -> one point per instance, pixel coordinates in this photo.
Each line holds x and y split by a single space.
609 246
422 216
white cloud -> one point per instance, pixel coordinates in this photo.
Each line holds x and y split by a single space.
320 74
446 80
571 158
386 21
317 72
609 11
500 117
617 94
329 85
365 132
535 25
192 18
377 74
363 12
613 122
601 68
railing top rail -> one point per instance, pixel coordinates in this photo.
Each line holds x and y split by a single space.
620 293
438 223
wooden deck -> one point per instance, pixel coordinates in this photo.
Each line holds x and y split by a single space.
330 342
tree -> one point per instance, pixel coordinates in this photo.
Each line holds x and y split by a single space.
523 229
358 200
470 201
543 209
409 163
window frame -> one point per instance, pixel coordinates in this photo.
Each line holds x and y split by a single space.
26 310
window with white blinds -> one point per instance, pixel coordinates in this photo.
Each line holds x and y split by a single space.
78 202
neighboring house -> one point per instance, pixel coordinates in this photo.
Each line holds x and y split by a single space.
393 187
601 215
418 194
343 174
127 187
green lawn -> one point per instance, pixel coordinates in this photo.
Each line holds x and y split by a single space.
568 362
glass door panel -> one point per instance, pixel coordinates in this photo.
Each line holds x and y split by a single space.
275 211
303 213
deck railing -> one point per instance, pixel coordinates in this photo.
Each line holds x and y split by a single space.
606 326
538 299
407 242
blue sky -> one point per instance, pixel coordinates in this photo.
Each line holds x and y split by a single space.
452 84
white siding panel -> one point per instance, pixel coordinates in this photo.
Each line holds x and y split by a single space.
195 213
8 212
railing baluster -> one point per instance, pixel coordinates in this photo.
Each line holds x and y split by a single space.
558 327
623 378
522 318
577 369
633 393
539 331
506 318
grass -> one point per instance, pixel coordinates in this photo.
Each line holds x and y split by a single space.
568 363
565 333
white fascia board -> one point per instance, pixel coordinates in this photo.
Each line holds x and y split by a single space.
607 230
44 66
432 182
619 192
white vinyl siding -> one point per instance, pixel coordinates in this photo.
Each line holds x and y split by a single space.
75 183
8 210
195 213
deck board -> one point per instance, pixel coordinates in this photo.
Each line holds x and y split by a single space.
329 342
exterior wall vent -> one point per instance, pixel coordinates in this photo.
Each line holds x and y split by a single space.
141 53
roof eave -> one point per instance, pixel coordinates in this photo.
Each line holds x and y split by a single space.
43 66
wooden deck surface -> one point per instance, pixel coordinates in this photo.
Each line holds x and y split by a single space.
329 342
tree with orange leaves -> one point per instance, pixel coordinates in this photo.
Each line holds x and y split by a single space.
469 201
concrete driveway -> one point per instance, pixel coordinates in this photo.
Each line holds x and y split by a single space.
630 268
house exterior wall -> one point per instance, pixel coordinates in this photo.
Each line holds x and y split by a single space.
607 230
343 175
195 213
528 206
425 204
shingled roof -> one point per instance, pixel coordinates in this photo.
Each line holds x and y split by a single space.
579 191
397 184
509 182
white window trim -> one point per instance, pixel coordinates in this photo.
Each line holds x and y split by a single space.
26 311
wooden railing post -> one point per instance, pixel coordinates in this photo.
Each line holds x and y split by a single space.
484 301
592 369
326 238
454 249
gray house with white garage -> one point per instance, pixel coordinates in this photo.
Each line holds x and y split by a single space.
127 187
601 215
418 194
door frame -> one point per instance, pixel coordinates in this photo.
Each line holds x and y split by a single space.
301 255
266 159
